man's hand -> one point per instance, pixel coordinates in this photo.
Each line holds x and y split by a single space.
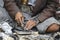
30 24
19 18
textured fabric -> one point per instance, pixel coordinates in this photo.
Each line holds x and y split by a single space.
48 9
12 8
45 8
47 12
27 16
3 15
44 25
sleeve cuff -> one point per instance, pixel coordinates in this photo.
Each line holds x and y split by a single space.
44 25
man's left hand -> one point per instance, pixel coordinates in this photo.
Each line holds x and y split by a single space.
30 24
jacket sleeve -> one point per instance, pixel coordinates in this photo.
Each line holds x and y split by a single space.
11 7
47 12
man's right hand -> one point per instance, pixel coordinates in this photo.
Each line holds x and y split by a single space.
19 18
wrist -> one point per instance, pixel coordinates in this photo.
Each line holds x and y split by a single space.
19 13
36 21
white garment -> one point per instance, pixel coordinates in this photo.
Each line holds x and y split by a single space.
5 36
6 27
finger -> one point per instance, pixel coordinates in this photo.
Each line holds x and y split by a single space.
17 20
27 24
30 26
22 19
26 27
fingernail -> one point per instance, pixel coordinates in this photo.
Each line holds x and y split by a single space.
26 28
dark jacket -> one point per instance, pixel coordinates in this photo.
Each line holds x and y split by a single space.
45 8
